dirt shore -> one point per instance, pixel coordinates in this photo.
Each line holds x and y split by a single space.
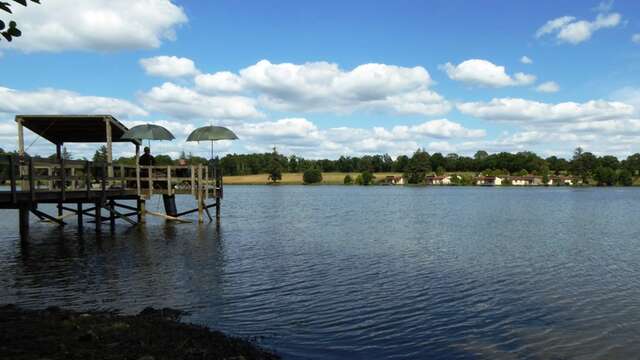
54 333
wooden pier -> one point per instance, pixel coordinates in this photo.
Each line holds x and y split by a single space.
98 190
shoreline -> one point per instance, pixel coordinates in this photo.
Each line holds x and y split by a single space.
55 333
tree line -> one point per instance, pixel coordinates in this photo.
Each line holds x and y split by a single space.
584 165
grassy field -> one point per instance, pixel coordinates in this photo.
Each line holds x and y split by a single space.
332 178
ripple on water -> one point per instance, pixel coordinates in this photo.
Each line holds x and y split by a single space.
354 272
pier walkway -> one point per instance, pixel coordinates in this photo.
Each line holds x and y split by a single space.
97 189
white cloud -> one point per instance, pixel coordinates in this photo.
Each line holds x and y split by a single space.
169 66
97 25
636 38
55 101
568 30
548 87
301 136
220 82
521 110
485 73
184 103
526 60
629 95
324 87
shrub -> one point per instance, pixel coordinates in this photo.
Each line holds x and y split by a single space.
348 180
367 178
312 176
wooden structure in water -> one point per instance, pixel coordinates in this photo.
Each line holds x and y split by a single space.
98 190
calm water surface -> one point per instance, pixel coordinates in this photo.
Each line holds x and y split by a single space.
366 273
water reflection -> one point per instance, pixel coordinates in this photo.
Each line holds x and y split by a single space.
337 272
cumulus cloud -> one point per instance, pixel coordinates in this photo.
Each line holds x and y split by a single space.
184 103
56 101
485 73
521 110
526 60
169 66
548 87
325 87
302 136
629 95
220 82
568 29
96 25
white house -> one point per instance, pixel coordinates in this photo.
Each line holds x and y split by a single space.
489 180
438 180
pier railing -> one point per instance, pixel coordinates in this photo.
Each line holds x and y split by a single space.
42 175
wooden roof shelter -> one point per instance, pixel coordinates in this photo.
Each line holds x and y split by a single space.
60 129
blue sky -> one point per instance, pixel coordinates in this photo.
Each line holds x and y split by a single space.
323 79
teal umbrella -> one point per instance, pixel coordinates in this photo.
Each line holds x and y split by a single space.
148 132
212 133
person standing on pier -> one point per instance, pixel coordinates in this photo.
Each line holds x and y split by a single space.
147 159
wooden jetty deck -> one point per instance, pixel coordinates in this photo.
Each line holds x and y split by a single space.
97 190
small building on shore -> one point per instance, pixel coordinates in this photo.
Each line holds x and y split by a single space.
561 180
394 180
438 180
528 180
489 180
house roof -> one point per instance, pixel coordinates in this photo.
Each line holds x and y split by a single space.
60 129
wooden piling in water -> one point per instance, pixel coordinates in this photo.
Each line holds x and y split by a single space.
112 216
80 224
24 221
98 216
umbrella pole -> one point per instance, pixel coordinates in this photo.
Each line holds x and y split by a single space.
211 150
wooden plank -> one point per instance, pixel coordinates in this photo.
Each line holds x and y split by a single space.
12 175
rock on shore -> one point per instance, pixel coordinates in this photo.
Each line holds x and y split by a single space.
54 333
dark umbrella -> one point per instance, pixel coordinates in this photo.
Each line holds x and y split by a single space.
212 133
148 132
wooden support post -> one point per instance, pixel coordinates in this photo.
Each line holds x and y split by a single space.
24 221
87 177
141 211
193 180
218 203
138 170
21 154
80 224
109 147
112 215
32 187
12 174
73 179
104 184
123 181
150 170
199 199
98 217
169 189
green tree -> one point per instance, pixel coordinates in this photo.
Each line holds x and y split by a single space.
605 176
418 167
275 172
440 171
367 178
8 33
401 163
625 178
312 176
275 169
163 160
348 180
100 156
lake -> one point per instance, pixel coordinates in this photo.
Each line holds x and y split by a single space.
334 272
